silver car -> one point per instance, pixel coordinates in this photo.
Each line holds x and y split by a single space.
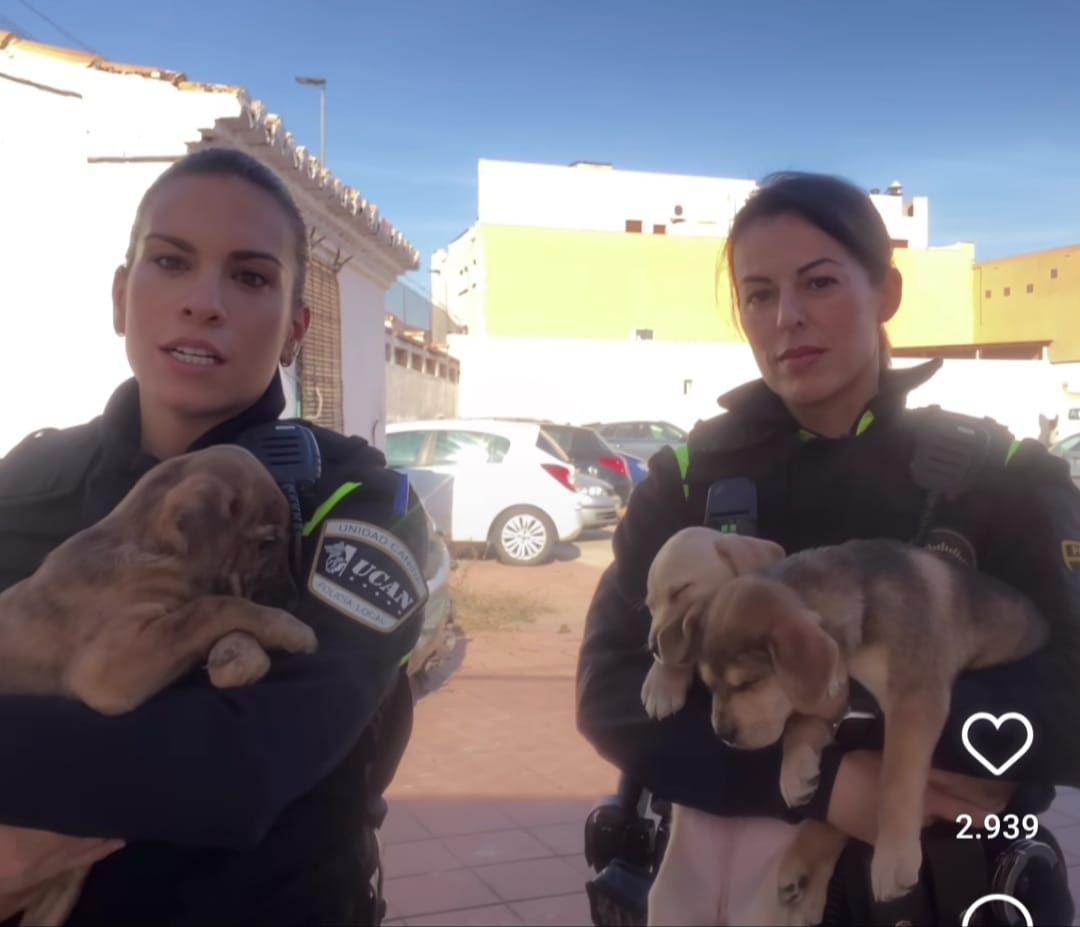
1069 449
599 502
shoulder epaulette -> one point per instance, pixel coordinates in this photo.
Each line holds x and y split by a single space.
48 461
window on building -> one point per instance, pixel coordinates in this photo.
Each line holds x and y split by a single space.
1053 273
320 357
1008 291
899 243
659 229
633 225
1031 287
988 293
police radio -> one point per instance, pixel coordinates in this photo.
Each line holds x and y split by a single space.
731 507
291 454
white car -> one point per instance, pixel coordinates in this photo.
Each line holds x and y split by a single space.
437 637
498 483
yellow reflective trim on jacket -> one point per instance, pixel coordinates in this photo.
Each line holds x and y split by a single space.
682 455
328 506
865 421
1013 448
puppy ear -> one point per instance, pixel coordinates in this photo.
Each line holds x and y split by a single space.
806 659
197 509
747 555
677 642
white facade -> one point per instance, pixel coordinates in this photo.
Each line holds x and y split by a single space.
573 381
459 281
599 198
80 140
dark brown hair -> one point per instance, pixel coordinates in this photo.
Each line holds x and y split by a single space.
839 208
230 162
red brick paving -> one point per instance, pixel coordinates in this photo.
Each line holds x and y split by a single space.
487 811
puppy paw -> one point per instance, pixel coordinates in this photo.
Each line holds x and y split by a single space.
894 870
664 691
237 660
800 773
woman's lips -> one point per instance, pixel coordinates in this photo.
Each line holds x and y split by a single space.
797 359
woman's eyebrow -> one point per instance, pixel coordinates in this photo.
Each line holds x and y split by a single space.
244 254
172 240
813 264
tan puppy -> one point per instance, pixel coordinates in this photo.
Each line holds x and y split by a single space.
164 583
776 645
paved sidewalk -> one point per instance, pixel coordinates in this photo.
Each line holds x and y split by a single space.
487 812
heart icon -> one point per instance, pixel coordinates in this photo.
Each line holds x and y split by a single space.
997 722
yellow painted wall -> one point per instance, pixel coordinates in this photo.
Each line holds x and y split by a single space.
562 283
1051 312
565 283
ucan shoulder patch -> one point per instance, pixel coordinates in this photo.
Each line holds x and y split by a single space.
366 573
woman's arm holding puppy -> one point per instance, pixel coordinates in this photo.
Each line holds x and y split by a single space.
679 758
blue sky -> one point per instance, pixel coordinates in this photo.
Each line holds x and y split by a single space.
973 104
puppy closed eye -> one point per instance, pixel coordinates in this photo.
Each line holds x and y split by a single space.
675 591
268 537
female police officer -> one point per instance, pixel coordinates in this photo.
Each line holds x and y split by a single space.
829 446
254 805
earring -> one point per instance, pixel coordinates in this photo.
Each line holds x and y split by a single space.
288 355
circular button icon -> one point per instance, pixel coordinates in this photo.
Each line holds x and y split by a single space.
1003 899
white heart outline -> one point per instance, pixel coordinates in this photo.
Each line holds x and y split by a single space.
986 899
998 721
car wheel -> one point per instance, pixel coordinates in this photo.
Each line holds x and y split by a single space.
523 536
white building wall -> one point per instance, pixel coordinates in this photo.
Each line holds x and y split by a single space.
363 354
580 382
459 280
602 199
78 147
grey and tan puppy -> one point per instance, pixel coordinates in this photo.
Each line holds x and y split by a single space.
776 639
162 584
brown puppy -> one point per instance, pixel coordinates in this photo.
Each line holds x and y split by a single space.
164 583
776 647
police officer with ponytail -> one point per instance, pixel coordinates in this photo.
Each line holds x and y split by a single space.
257 805
820 450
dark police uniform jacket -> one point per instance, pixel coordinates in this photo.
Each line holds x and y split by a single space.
244 806
1021 522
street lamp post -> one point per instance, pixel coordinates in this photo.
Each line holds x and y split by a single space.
319 82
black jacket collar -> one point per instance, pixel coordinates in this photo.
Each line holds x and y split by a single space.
121 431
755 402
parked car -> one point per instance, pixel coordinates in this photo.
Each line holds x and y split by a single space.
637 468
591 454
1069 449
503 485
437 637
642 439
599 503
